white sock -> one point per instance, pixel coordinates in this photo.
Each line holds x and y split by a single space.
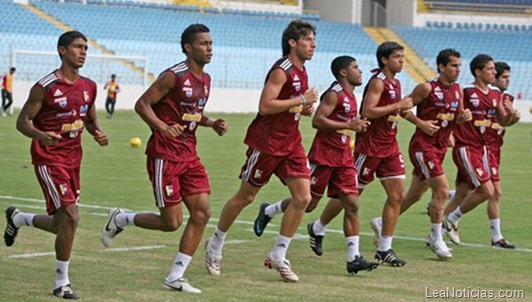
451 195
23 219
352 247
125 219
495 226
319 228
455 215
385 243
274 209
435 232
61 273
280 247
179 267
216 242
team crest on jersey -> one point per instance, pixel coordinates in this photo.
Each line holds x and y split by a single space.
86 96
202 102
206 89
169 190
63 188
438 93
366 171
494 103
258 174
493 170
480 173
430 163
474 100
61 101
456 94
297 85
188 91
313 181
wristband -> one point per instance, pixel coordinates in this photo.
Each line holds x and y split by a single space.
303 100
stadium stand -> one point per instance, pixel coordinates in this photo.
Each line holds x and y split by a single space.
497 6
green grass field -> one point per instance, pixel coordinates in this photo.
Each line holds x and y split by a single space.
116 176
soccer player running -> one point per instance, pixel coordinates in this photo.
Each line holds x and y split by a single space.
494 142
275 147
439 107
470 153
173 108
377 151
58 108
331 159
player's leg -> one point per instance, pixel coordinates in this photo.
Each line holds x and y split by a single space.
497 239
267 212
440 192
417 188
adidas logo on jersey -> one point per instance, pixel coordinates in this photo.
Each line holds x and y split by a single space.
187 83
58 93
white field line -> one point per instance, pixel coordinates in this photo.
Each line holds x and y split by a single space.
134 248
31 255
297 235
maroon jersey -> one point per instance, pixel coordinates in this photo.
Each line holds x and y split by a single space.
379 140
278 134
441 105
496 133
63 111
183 105
483 109
332 148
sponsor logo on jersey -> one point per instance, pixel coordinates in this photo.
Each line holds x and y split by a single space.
187 82
296 78
72 126
202 102
394 118
63 114
454 105
58 93
445 116
61 101
83 110
491 112
347 132
296 109
474 100
482 123
189 117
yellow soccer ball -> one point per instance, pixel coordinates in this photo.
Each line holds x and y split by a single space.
135 142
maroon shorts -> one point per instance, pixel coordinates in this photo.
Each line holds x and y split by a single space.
472 164
339 180
427 164
60 186
259 166
388 167
494 160
171 181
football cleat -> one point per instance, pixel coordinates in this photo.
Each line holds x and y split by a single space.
213 262
315 240
111 229
451 229
360 264
441 250
262 220
11 231
182 285
65 292
503 244
389 257
283 267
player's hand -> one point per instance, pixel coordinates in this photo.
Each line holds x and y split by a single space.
220 126
359 125
174 130
49 138
429 127
101 138
466 115
405 103
311 95
508 105
308 110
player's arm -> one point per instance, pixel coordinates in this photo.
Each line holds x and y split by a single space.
25 119
464 115
152 96
418 95
322 121
268 102
505 112
93 127
218 125
372 111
